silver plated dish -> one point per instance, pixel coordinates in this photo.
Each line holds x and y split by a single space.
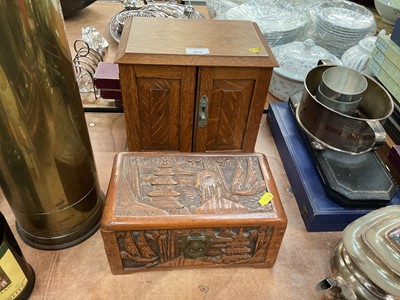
151 10
365 263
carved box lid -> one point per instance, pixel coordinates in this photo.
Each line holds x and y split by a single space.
149 190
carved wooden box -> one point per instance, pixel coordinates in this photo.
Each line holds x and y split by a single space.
167 210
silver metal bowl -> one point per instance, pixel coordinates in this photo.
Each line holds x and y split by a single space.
356 134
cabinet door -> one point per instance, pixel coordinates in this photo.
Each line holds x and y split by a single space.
236 99
158 107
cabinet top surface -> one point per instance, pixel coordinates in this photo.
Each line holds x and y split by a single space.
185 187
193 42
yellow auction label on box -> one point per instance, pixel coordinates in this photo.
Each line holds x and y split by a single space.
255 50
12 278
266 198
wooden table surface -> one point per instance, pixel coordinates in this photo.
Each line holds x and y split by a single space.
82 271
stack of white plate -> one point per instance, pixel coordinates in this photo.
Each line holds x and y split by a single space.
279 23
283 33
339 28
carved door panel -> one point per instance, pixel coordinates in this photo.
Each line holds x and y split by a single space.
159 117
230 93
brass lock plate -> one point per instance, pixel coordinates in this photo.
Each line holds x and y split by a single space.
194 245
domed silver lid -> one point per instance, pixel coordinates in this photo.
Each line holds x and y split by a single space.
373 243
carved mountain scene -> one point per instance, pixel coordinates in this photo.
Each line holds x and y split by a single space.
176 185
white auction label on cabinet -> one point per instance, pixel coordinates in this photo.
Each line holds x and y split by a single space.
197 51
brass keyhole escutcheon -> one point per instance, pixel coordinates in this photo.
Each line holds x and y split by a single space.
194 245
203 112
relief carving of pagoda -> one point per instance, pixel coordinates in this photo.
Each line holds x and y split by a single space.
211 246
175 185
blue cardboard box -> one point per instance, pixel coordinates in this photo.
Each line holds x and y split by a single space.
319 213
395 36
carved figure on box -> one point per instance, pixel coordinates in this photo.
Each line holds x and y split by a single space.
212 199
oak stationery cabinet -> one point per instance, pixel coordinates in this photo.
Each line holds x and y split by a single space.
193 85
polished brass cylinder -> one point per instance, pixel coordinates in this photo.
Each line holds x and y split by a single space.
47 169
